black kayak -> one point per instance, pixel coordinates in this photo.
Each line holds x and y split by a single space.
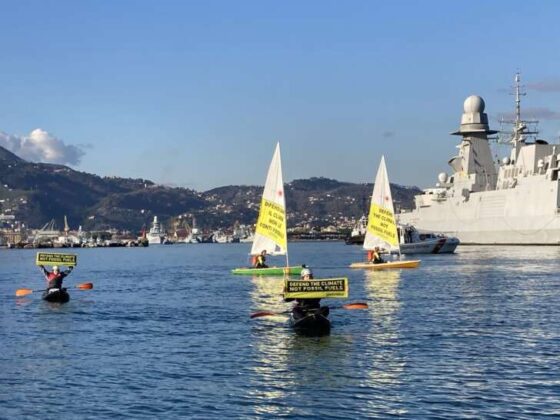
56 295
311 321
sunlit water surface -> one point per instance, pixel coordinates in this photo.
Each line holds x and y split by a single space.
166 333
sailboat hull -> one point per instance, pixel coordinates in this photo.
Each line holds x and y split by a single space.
270 271
386 265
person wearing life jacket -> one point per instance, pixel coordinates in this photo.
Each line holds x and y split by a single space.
375 256
259 261
303 306
55 277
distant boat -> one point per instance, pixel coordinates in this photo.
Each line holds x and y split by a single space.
220 237
249 238
413 241
358 234
156 235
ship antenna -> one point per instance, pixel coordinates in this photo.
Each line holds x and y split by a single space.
519 127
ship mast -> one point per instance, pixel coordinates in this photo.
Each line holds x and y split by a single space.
520 126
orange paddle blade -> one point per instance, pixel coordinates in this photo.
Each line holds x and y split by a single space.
263 313
85 286
23 292
355 306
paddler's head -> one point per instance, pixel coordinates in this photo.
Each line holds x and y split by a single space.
306 274
55 269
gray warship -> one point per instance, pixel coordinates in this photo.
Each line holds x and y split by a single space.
512 201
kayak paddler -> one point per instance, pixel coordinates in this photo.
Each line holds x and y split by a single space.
302 306
55 277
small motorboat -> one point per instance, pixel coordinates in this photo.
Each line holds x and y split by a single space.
314 322
56 295
413 241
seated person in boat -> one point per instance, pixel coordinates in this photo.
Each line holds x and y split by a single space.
375 256
303 306
55 277
259 261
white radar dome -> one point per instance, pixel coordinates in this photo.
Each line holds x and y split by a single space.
442 177
474 104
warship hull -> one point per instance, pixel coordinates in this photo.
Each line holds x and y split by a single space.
528 214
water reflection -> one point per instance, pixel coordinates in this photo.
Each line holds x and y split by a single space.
288 366
266 293
269 380
387 364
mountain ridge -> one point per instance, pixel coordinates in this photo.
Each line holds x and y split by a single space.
38 192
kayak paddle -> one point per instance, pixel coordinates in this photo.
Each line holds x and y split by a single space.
348 306
25 292
267 313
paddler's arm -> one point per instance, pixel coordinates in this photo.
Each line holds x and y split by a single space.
45 272
66 272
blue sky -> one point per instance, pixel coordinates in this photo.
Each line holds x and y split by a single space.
196 94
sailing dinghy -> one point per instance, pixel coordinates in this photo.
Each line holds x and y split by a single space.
270 234
382 227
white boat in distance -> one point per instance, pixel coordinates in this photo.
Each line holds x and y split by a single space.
156 235
413 241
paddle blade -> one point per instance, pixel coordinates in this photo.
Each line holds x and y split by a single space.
23 292
263 313
356 305
85 286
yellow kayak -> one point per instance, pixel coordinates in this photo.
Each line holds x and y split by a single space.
386 265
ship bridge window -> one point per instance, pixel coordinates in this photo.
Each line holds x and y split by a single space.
451 180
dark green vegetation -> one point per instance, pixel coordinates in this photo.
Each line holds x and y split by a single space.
38 192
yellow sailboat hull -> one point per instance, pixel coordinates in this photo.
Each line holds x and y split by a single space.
386 265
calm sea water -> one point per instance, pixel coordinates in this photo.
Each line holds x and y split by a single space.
166 333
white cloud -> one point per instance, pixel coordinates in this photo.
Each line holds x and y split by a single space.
40 146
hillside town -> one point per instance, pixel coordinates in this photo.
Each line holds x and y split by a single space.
15 234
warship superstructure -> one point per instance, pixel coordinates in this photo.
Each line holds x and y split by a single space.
514 200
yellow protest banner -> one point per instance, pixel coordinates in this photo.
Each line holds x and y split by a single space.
45 258
316 289
272 222
382 224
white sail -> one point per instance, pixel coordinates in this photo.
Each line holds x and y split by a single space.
382 228
270 233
